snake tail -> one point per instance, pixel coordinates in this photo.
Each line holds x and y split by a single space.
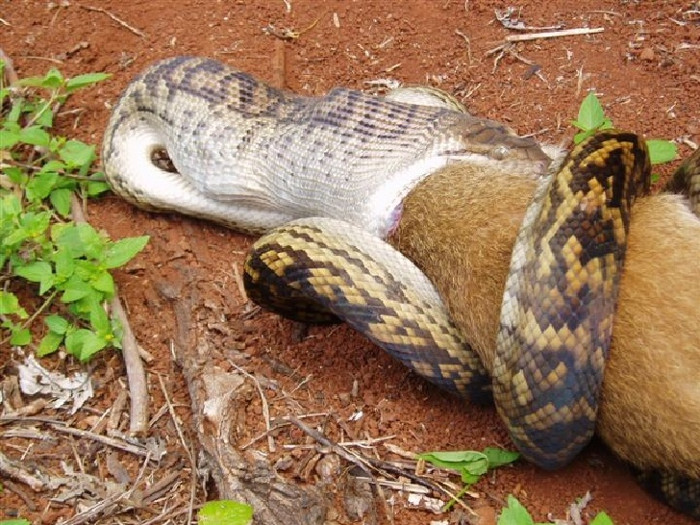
678 490
560 296
303 270
686 180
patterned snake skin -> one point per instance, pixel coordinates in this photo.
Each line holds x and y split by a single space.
557 308
559 301
254 158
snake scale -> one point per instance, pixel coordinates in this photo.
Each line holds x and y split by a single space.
256 158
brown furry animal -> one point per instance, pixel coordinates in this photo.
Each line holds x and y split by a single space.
459 226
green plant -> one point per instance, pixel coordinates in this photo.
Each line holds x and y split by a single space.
591 118
470 464
516 514
225 512
39 243
19 521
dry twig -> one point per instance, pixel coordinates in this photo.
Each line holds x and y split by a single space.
9 469
188 450
116 19
132 448
265 406
468 42
555 34
10 72
366 464
507 48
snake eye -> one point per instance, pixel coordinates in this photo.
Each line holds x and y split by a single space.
500 152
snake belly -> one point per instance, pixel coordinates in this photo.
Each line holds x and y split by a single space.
557 309
253 157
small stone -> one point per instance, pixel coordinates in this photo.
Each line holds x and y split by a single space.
647 54
486 515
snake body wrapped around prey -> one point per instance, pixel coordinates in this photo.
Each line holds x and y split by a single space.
254 158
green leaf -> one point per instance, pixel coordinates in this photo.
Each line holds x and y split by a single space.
49 344
99 320
120 252
35 272
602 519
470 464
77 154
56 324
17 236
44 117
20 336
8 138
104 282
15 522
53 165
590 114
452 459
499 457
81 239
35 135
52 80
582 135
661 151
9 305
83 307
83 344
64 263
75 289
32 225
39 186
95 188
85 80
10 206
515 514
60 199
225 512
19 107
16 175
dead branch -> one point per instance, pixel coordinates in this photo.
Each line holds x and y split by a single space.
555 34
115 18
10 72
10 469
131 448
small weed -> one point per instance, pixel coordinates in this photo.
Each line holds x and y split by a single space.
591 118
69 263
516 514
470 464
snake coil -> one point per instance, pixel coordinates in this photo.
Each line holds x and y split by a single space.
255 158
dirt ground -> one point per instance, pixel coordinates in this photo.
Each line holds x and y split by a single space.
645 65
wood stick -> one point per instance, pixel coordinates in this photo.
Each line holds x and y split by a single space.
555 34
279 65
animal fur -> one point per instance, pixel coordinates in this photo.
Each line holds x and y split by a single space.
459 226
